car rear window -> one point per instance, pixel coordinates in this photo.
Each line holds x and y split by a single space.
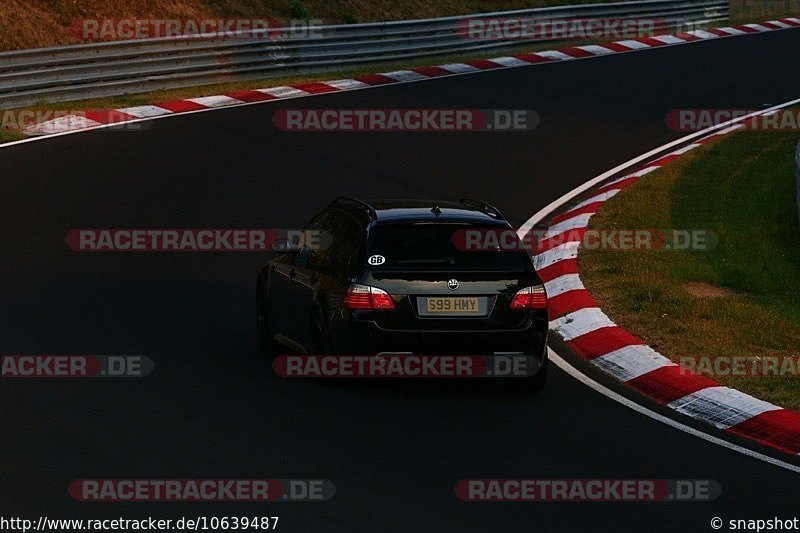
442 245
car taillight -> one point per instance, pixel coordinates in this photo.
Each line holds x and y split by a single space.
530 298
368 298
381 301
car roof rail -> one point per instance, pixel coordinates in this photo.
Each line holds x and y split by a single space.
483 206
360 203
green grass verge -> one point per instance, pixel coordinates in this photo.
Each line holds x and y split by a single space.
10 135
741 298
38 23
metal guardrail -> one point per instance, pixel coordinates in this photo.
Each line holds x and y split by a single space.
124 67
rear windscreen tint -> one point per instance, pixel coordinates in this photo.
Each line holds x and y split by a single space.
442 245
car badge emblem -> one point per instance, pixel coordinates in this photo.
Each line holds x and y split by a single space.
452 284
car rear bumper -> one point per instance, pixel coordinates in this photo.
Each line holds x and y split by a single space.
366 337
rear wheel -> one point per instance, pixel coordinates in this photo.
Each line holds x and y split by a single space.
263 326
317 337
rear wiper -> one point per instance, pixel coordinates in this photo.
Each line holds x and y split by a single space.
450 260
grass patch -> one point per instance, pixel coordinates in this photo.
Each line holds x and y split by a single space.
741 298
299 10
7 136
39 23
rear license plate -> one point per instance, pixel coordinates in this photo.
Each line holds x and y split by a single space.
453 306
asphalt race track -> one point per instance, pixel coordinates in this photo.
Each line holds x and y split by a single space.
214 408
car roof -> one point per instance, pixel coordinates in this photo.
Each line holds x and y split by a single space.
387 211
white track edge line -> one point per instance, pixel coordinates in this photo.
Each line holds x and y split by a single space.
552 206
577 374
605 391
561 363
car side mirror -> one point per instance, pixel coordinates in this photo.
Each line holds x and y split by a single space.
303 257
285 246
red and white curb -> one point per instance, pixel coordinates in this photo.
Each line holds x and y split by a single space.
590 333
96 119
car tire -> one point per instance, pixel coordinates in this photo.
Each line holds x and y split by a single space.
317 336
531 384
263 328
